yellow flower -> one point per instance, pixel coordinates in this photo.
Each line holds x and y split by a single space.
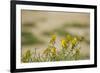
52 41
63 43
53 50
74 41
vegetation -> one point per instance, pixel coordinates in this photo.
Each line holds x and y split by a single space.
70 50
29 39
78 25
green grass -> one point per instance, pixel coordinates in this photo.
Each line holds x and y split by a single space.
46 33
79 25
60 32
29 39
28 57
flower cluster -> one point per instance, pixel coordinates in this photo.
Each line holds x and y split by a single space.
69 50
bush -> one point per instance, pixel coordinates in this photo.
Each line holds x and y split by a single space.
70 50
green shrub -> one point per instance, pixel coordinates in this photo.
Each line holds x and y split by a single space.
70 51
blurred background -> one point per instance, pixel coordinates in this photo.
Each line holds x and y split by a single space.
38 27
